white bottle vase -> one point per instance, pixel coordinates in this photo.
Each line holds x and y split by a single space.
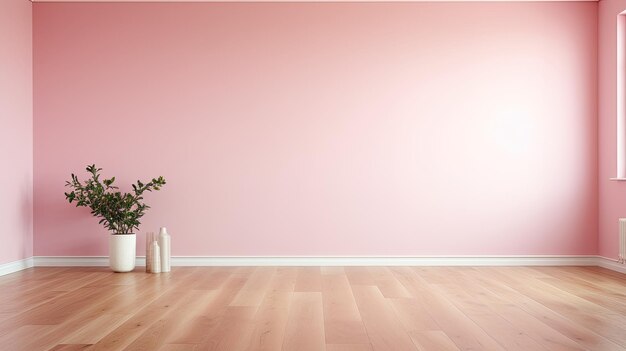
122 252
156 258
165 247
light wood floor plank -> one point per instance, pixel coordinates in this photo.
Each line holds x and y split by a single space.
234 330
388 285
252 293
383 328
178 347
413 314
96 329
314 308
126 333
142 319
432 340
595 317
174 323
494 280
484 312
305 325
309 280
342 320
547 337
71 347
348 347
270 321
465 333
209 319
590 292
359 276
20 338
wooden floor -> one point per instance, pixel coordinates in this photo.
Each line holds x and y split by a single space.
313 308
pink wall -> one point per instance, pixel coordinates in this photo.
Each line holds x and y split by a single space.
612 193
16 130
324 129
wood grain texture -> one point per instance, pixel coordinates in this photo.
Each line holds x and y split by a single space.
305 326
342 319
314 308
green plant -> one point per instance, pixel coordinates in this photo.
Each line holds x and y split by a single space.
119 212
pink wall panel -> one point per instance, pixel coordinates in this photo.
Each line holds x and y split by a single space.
612 193
16 131
324 129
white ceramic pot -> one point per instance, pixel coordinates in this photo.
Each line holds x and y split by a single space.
122 252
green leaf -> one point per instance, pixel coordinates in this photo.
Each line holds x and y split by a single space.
118 212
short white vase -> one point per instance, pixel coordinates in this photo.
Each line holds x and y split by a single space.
122 252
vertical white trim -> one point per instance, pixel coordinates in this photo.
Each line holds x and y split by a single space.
621 91
15 266
622 241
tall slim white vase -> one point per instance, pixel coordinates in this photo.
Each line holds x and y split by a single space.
156 258
165 248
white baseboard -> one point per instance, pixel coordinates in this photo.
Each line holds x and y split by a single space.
385 261
103 261
16 266
76 261
337 261
611 264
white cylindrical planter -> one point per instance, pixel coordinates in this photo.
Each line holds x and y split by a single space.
122 252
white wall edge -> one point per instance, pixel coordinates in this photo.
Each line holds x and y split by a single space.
540 260
78 261
382 261
16 266
318 1
43 261
611 264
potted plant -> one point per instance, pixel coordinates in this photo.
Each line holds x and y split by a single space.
119 212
